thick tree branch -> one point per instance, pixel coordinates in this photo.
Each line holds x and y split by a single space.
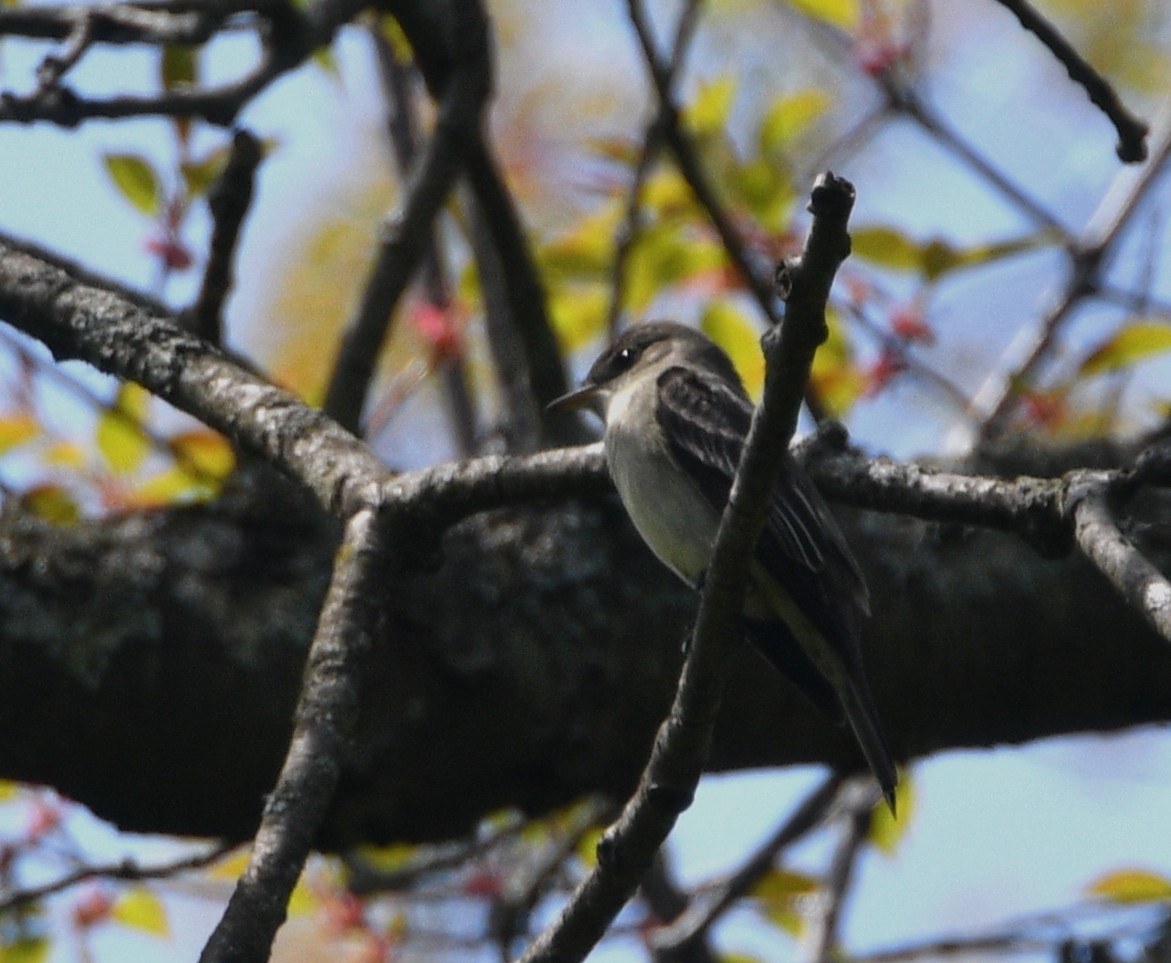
76 319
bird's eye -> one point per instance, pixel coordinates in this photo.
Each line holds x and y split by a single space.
625 358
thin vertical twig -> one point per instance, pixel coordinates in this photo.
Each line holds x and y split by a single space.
403 127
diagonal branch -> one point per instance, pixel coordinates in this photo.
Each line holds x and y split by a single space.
325 722
702 914
77 316
684 738
288 36
1143 586
1132 132
405 236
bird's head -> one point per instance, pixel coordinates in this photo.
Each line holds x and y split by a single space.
645 350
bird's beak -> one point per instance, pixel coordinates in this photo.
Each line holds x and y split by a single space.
575 399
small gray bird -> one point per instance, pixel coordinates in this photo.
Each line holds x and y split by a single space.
676 416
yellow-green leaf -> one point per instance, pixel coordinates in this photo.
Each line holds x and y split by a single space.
232 866
392 32
177 68
141 909
1131 886
16 429
788 116
166 488
585 252
843 14
67 454
764 189
120 437
730 328
578 313
779 894
134 176
885 246
51 503
200 174
25 951
834 375
886 832
305 899
587 846
203 451
708 112
1133 342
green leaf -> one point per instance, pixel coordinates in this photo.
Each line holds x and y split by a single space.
134 176
1133 342
708 113
788 117
779 894
889 247
178 67
886 832
578 313
34 950
885 246
200 174
834 376
51 503
843 14
731 328
141 909
119 434
764 189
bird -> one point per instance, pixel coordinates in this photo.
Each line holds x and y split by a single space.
675 416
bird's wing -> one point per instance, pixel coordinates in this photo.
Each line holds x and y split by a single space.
705 422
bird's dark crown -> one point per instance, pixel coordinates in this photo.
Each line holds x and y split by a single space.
633 343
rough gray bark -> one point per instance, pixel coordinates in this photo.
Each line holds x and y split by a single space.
149 664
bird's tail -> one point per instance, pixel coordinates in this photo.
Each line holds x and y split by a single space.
863 719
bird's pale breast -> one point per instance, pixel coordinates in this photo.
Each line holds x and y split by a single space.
667 508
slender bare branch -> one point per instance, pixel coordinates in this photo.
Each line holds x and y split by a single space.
996 400
288 36
404 241
126 870
705 912
684 738
1132 132
229 200
652 141
826 917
